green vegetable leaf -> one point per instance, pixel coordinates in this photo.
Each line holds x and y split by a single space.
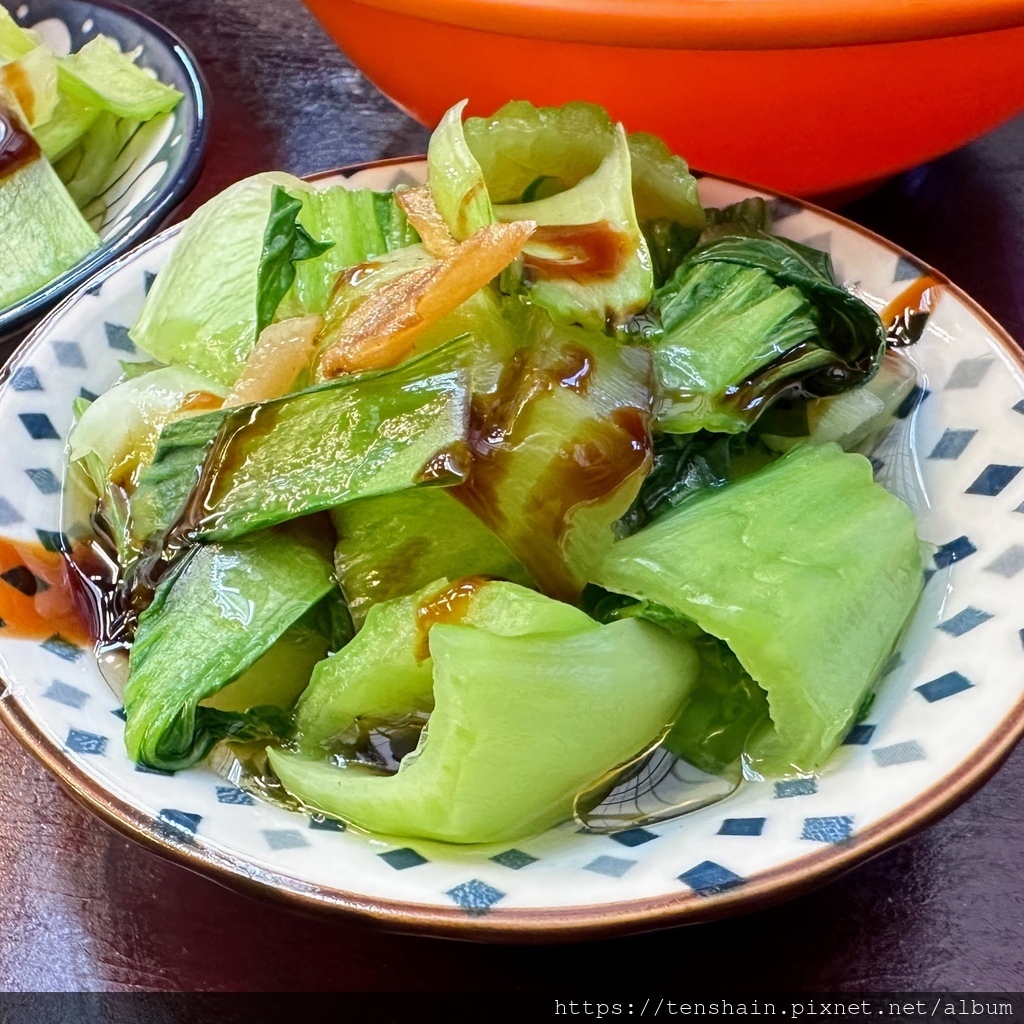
748 319
724 709
285 243
397 543
687 466
560 451
211 618
520 726
385 673
44 234
269 462
831 572
100 75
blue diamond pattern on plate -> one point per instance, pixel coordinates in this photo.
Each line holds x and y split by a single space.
944 686
69 696
969 373
69 354
795 787
782 208
514 859
915 397
634 837
613 867
832 828
284 838
964 621
38 426
907 270
53 540
117 337
742 827
183 823
44 479
708 878
898 753
403 858
1009 563
953 551
63 648
474 896
859 735
993 480
9 515
25 378
82 742
234 795
952 444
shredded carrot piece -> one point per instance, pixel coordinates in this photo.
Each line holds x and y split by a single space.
383 329
283 350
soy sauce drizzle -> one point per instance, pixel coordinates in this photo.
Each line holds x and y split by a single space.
905 317
17 146
587 252
449 606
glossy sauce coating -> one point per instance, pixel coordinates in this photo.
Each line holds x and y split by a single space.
201 401
591 252
584 470
17 146
918 297
449 606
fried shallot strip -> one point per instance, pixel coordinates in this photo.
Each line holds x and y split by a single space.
283 350
383 329
423 215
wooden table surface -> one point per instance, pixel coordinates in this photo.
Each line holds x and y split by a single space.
82 909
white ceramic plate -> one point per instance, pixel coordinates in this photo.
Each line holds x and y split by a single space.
947 713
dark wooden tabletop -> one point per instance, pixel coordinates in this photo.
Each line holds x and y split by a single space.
82 909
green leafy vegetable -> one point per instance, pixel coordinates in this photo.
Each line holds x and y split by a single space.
285 243
208 303
385 673
831 571
560 451
584 183
747 319
686 466
362 225
521 724
456 180
203 307
725 707
100 75
44 234
397 543
274 461
209 621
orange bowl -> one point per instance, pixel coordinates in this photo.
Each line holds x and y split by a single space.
801 96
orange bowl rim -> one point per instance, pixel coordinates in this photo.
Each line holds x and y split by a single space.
711 24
